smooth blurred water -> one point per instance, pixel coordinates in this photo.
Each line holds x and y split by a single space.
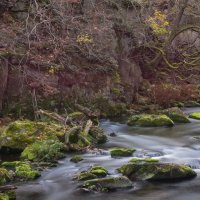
174 144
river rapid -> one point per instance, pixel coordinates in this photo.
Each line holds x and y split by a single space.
172 145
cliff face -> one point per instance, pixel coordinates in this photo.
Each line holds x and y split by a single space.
76 48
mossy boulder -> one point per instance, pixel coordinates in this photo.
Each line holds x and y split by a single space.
107 184
157 171
121 152
98 135
47 150
176 115
147 120
86 176
143 160
78 139
76 158
25 172
195 115
4 176
19 134
92 173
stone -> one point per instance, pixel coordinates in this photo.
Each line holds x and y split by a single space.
195 115
121 152
107 184
147 120
176 115
157 171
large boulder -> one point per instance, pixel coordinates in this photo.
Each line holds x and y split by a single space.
176 115
156 171
19 134
147 120
107 184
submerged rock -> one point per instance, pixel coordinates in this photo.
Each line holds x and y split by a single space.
195 115
19 134
156 171
176 115
147 120
76 158
107 184
121 152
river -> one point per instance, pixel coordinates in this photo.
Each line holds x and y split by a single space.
173 145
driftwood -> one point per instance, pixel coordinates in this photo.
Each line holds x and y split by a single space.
7 188
55 116
89 113
87 127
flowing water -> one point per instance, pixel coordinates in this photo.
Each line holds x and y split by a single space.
174 144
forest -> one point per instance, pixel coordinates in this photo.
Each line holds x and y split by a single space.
99 99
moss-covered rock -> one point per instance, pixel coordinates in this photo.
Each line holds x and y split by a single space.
19 134
86 176
99 171
47 150
143 160
12 165
176 115
98 135
195 115
25 172
76 158
107 184
121 152
4 176
147 120
156 171
92 173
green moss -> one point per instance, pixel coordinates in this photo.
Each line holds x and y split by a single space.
156 171
76 114
25 172
12 164
76 158
176 115
19 134
150 120
97 135
86 176
47 150
4 176
143 160
195 115
99 171
121 152
4 196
